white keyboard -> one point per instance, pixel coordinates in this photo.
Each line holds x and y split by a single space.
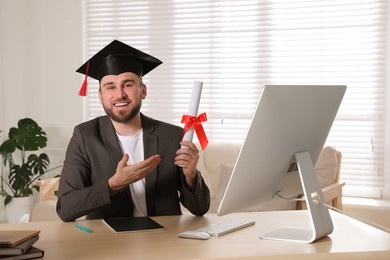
224 227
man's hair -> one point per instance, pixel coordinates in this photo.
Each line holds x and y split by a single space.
141 83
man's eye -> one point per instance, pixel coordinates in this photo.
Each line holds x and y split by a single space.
110 87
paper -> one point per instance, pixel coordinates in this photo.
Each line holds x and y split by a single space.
193 108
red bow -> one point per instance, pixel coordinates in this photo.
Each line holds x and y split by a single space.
197 123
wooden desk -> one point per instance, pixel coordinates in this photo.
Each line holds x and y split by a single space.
350 238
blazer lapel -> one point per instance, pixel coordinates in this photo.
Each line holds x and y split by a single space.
110 141
112 145
150 148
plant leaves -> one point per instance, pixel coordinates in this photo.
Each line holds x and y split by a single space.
8 146
6 150
29 136
19 178
7 200
38 164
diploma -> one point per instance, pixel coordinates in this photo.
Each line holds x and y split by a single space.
193 121
193 108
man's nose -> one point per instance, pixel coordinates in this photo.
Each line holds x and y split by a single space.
121 92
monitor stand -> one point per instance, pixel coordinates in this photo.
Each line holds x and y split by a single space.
320 218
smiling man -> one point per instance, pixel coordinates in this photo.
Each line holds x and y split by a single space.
127 164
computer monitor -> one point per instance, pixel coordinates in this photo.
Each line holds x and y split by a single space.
287 133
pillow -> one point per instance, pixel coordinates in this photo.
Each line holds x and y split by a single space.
327 166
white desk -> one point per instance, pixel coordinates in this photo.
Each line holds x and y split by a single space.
350 239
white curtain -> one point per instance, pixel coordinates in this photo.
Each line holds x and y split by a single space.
237 46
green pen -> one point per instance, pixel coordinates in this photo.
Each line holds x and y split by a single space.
84 228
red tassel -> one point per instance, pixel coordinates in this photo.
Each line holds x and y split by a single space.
83 89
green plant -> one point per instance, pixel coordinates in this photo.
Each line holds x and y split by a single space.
23 140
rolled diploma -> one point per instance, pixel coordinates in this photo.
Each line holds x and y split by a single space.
193 108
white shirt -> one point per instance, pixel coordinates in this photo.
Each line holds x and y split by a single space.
133 146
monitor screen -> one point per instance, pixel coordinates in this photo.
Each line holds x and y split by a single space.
288 119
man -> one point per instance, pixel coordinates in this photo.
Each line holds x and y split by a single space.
127 164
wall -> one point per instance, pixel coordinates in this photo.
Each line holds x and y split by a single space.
40 49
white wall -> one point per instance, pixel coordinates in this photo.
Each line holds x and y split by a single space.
387 133
40 49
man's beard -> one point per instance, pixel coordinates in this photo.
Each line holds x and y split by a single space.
123 116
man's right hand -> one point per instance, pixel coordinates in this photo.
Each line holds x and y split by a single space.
126 174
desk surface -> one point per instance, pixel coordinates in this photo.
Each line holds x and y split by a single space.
63 241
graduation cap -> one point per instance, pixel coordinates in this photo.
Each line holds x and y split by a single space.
115 59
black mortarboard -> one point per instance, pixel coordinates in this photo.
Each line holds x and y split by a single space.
115 59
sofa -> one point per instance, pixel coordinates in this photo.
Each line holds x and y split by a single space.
216 164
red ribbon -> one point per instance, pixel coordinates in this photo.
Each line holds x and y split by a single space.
196 122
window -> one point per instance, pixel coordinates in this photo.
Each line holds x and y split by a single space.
235 47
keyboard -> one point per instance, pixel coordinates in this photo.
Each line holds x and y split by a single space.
225 227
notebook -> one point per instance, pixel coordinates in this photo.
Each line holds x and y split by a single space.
132 224
19 249
32 253
11 238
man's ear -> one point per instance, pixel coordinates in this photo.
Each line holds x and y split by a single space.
144 91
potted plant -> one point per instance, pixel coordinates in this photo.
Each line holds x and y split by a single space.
24 166
2 208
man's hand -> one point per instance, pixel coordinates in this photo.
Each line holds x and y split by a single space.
127 174
187 157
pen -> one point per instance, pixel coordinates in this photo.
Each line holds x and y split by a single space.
84 228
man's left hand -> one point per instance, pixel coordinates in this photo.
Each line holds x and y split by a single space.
187 157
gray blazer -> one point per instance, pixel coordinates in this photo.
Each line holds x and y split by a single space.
92 157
